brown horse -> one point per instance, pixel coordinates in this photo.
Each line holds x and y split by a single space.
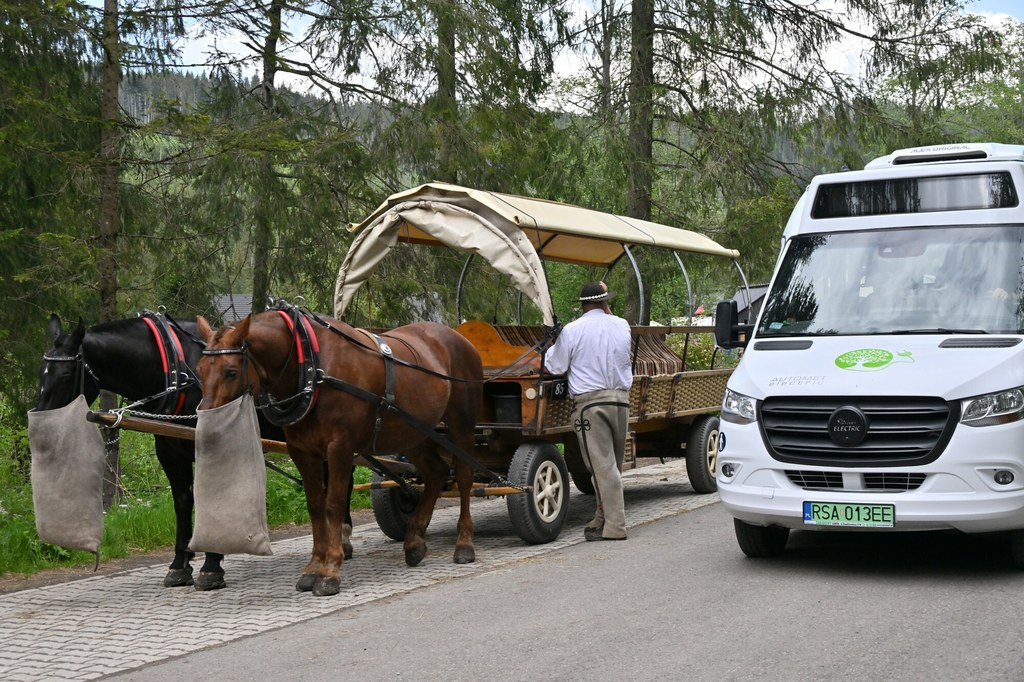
349 376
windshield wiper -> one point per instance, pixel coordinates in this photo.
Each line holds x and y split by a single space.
939 330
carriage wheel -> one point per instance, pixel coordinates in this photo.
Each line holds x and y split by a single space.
702 454
539 513
583 482
392 508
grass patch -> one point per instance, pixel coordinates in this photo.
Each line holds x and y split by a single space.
141 520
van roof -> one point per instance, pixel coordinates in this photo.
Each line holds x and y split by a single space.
944 153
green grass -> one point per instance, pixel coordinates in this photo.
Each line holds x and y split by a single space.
141 519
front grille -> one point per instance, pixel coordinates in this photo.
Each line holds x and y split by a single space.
874 482
816 480
893 482
900 431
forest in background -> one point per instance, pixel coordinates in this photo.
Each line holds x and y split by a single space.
132 178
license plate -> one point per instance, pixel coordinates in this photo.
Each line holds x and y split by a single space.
843 514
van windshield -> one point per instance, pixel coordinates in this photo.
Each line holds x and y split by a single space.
912 281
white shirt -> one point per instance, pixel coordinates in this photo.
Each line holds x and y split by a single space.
594 349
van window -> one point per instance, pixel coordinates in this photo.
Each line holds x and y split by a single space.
914 195
919 280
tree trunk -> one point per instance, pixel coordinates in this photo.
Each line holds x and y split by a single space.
446 95
641 108
110 218
606 50
263 229
641 126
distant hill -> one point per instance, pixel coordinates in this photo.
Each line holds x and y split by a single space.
143 94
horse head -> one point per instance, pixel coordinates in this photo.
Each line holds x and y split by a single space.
63 375
226 369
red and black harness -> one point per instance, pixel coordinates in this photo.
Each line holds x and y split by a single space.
178 376
311 377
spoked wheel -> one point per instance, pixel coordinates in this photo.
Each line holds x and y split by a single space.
760 542
539 513
702 454
392 508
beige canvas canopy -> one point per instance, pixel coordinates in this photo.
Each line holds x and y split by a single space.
511 233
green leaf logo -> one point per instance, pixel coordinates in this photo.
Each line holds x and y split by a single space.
871 359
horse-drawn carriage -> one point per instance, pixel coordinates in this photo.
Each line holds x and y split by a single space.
526 415
473 400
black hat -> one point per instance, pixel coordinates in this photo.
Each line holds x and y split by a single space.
595 292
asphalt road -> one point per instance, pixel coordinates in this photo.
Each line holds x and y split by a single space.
676 601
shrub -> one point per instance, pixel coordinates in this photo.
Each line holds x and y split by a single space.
701 351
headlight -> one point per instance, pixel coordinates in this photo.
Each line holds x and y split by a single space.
738 408
994 408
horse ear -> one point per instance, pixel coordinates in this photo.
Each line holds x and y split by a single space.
205 330
78 334
55 327
242 328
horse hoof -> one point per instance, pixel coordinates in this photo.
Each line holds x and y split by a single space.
326 586
305 582
209 581
178 577
347 548
414 556
464 554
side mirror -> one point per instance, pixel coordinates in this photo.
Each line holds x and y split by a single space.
728 332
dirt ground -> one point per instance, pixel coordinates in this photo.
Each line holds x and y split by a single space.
13 582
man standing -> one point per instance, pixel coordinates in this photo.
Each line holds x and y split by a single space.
594 350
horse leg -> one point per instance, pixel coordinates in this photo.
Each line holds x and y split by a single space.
339 477
312 472
175 459
460 415
346 529
434 473
464 552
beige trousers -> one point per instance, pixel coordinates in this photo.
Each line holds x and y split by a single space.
601 419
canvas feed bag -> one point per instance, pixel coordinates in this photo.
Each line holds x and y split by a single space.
68 457
230 482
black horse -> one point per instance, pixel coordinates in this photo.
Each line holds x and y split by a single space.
147 358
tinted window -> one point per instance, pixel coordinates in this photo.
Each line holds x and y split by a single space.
914 195
906 280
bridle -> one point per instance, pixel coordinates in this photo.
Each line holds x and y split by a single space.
81 368
295 408
242 350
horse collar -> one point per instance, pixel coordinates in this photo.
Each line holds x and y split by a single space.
307 351
172 361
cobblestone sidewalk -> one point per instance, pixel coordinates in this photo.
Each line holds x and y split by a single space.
89 628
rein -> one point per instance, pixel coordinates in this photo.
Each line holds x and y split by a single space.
541 346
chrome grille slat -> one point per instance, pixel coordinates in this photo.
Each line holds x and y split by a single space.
872 482
816 480
904 431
